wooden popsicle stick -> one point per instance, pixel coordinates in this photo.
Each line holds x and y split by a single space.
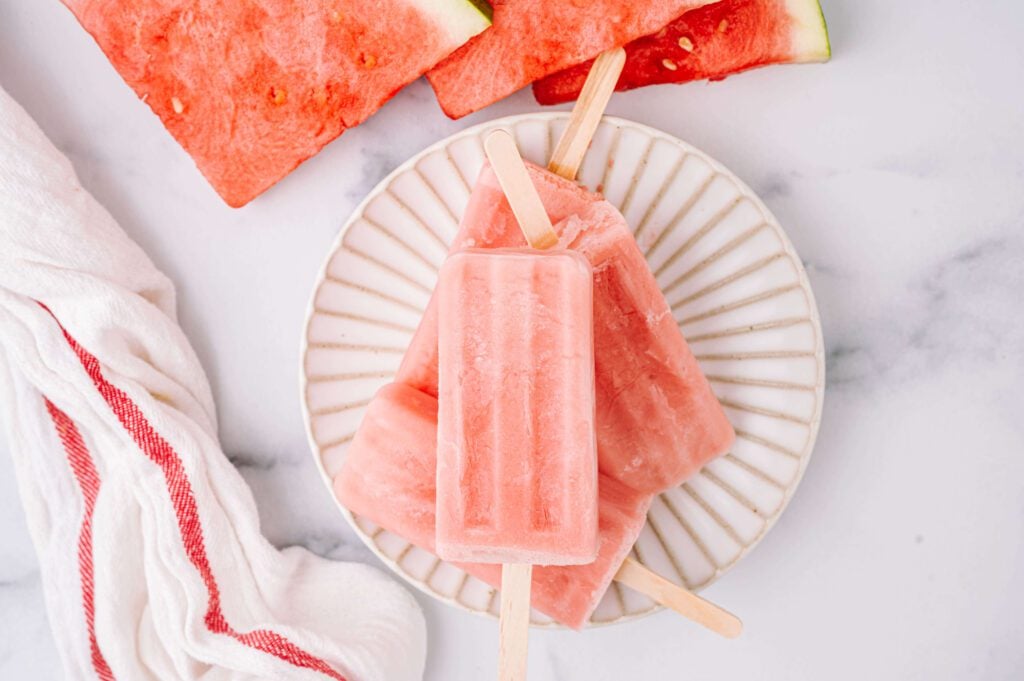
515 621
522 196
687 604
533 220
587 112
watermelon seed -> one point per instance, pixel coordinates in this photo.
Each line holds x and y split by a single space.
368 60
337 16
278 95
686 44
669 64
724 24
177 105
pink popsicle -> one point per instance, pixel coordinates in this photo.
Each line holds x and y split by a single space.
658 420
389 477
516 457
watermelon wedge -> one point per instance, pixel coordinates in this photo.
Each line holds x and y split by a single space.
710 42
252 88
533 38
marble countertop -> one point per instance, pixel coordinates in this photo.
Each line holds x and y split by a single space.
897 171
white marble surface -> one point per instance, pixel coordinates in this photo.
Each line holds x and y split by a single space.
897 171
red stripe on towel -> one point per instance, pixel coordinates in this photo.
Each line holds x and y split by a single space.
183 499
89 482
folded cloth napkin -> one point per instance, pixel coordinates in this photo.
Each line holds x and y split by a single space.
150 550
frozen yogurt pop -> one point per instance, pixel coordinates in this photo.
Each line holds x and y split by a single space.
516 459
658 420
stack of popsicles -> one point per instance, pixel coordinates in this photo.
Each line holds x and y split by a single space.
657 419
482 451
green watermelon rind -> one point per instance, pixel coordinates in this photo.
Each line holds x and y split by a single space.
463 19
809 33
484 8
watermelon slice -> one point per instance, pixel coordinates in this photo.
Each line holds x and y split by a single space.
533 38
252 88
710 42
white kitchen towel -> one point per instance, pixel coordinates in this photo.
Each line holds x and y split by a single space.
149 544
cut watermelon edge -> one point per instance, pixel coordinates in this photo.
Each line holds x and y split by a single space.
462 19
810 32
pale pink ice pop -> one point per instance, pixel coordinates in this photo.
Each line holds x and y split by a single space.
389 478
516 456
658 420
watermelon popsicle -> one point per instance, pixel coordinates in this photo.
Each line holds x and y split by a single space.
658 420
516 458
516 452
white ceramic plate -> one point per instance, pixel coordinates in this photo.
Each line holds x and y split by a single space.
735 285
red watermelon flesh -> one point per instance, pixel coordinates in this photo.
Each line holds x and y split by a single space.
251 88
710 42
533 38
